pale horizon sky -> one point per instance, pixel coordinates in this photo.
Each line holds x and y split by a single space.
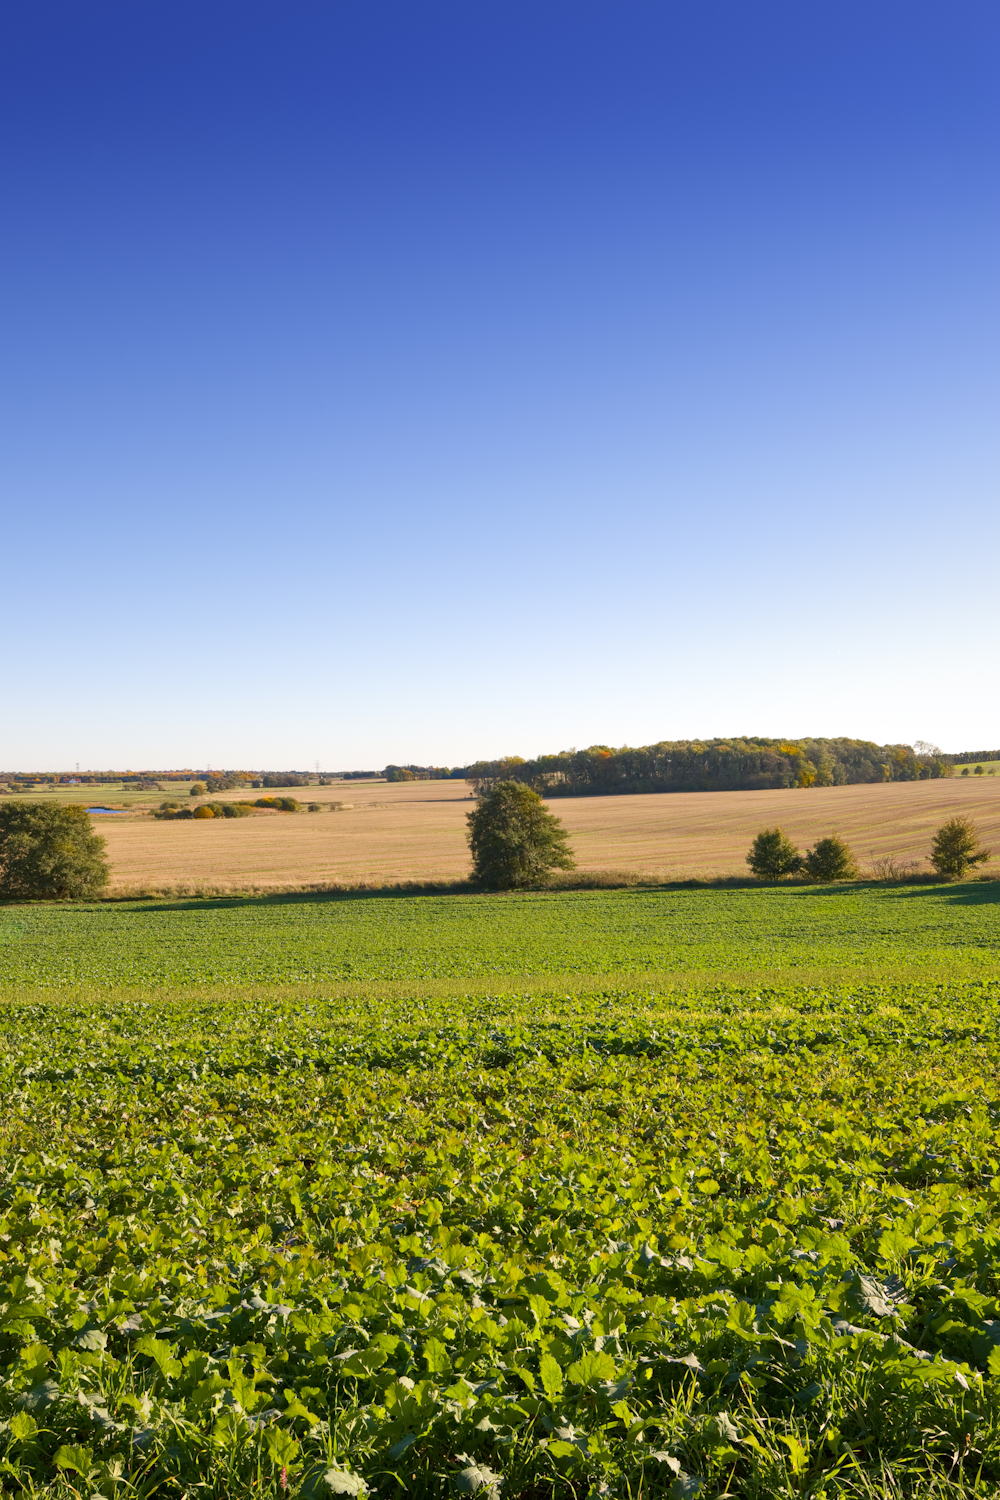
424 383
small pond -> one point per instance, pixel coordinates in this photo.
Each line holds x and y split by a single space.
106 809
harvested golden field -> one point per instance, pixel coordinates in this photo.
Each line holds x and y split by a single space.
416 831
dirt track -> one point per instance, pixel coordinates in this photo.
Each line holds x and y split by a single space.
416 831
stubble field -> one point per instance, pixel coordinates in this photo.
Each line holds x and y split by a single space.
416 831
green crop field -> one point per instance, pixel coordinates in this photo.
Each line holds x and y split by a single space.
591 1194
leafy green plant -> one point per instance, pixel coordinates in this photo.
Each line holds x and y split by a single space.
198 789
773 855
514 839
956 849
830 859
49 852
281 804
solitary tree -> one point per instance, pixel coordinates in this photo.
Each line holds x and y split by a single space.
956 849
772 855
49 852
198 789
514 838
831 859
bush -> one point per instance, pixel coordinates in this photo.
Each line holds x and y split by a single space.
772 855
50 853
204 812
831 859
956 849
199 789
514 838
315 807
280 804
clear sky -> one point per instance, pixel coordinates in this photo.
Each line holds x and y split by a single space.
393 381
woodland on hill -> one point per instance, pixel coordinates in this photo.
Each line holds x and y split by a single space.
752 764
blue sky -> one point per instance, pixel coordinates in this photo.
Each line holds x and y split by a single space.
417 382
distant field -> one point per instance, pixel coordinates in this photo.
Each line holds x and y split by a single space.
416 831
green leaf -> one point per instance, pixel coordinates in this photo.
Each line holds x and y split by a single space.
436 1356
742 1319
281 1446
160 1351
552 1375
725 1428
22 1427
798 1458
70 1457
478 1477
342 1482
591 1369
92 1339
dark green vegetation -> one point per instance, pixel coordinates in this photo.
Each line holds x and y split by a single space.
956 849
514 839
174 810
773 855
735 1231
714 766
830 859
49 851
867 932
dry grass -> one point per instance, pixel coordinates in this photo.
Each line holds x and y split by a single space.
415 832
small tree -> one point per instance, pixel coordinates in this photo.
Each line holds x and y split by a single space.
49 852
199 789
831 859
514 838
956 849
772 855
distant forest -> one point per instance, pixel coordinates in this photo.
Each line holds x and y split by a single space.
752 764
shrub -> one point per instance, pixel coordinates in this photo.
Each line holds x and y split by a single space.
199 789
514 838
831 859
889 867
280 804
965 770
49 852
229 809
772 855
315 807
204 812
956 849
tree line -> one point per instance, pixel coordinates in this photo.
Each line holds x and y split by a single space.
730 765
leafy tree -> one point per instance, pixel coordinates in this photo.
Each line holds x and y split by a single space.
956 849
198 789
772 855
831 859
514 838
978 771
49 852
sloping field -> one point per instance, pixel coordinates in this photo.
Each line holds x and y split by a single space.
416 831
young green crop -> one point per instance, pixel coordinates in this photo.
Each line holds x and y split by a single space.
302 939
517 1241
